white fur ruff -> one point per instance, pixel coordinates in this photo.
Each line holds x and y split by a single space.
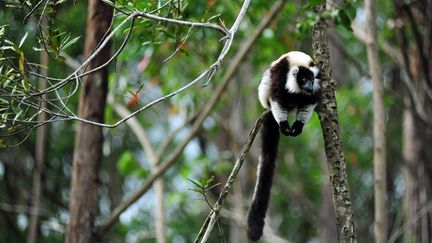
264 89
291 83
295 58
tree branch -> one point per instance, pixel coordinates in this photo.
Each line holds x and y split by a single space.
379 127
327 112
185 23
207 227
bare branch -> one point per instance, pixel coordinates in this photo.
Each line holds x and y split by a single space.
206 229
185 23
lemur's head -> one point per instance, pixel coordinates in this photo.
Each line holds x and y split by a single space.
305 79
303 75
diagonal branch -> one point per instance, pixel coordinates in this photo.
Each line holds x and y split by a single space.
212 218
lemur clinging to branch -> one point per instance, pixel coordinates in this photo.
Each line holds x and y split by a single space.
291 82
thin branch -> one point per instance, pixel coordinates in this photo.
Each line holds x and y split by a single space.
206 229
87 61
33 10
182 22
179 47
159 8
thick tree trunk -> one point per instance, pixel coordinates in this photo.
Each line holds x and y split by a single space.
88 141
327 112
379 127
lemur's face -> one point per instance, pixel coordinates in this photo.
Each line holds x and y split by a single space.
305 79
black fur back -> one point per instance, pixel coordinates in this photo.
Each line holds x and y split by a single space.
269 145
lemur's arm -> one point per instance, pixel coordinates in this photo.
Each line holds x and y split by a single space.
304 113
280 114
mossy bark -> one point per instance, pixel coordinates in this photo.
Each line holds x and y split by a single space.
327 112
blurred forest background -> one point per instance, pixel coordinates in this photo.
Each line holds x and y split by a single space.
197 134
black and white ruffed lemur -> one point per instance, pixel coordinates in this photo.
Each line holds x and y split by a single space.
292 81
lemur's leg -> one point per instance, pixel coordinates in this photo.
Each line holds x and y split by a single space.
304 113
280 114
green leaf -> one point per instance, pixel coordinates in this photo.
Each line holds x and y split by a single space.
6 83
71 42
214 17
23 39
196 183
196 190
26 84
17 116
209 181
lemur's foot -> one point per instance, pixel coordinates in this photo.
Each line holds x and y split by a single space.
296 129
284 128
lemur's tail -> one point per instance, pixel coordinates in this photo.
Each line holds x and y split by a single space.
260 200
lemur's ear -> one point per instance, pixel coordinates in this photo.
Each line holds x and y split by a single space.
315 70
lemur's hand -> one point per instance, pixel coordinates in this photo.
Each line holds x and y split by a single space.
296 129
284 128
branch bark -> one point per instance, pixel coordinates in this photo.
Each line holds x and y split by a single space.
212 218
327 112
379 128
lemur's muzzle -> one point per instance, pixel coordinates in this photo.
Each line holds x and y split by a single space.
308 87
